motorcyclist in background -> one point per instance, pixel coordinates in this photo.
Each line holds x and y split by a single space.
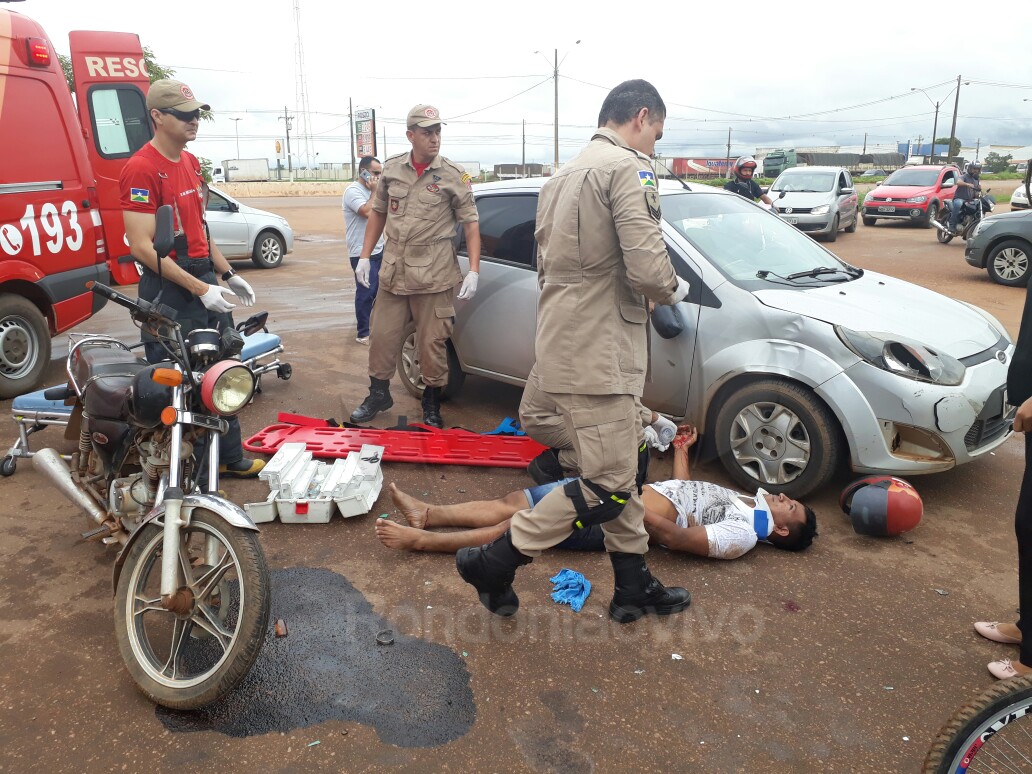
742 182
968 188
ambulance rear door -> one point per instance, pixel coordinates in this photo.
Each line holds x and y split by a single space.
111 84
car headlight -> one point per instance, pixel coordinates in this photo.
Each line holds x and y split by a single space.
902 356
227 387
820 210
283 222
917 200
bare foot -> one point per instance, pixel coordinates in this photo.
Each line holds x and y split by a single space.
416 513
398 536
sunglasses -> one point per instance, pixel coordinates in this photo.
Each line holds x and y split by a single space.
186 118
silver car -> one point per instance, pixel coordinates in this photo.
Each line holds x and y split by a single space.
817 200
240 231
792 362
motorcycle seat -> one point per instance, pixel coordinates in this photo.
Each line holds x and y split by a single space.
108 377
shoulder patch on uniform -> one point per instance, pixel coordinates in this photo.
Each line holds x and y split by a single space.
139 195
646 178
652 202
467 179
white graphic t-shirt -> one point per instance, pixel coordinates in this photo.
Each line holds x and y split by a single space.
727 518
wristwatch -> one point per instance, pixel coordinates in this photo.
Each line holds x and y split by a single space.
227 275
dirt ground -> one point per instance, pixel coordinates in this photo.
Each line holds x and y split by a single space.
846 658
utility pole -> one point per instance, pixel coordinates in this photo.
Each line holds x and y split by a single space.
953 128
236 126
286 118
729 152
523 162
935 128
351 134
555 77
978 147
865 143
385 142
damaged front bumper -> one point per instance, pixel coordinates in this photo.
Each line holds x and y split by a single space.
931 428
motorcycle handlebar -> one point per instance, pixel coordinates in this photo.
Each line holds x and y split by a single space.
147 309
113 295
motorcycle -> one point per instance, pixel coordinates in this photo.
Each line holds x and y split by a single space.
973 211
192 590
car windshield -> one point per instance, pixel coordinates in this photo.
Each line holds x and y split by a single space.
804 181
912 177
740 239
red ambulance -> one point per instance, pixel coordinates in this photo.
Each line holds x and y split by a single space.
60 222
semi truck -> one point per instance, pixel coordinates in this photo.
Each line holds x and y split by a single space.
241 171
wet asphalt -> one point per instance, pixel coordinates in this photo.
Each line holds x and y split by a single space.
846 658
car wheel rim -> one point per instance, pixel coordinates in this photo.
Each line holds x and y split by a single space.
270 251
410 362
770 442
1010 263
19 347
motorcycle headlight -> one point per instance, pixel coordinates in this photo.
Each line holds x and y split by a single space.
820 210
917 200
227 387
902 356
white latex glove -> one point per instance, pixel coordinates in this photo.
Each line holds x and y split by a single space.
682 290
242 290
665 431
214 300
469 286
362 272
652 439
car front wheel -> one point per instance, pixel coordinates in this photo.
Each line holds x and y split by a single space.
1008 263
933 211
778 435
411 374
869 221
268 250
24 345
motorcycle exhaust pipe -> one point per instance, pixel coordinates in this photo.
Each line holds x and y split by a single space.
939 226
49 463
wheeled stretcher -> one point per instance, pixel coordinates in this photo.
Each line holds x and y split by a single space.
34 411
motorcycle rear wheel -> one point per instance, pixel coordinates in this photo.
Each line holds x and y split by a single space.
189 661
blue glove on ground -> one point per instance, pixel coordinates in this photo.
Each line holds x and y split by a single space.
570 588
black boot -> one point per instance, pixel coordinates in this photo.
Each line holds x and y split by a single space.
491 570
379 399
638 593
545 468
432 407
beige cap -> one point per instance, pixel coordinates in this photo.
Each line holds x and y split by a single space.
423 115
167 93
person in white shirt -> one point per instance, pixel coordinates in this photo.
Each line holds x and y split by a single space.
356 216
696 517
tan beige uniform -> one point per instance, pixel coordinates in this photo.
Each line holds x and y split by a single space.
601 255
419 270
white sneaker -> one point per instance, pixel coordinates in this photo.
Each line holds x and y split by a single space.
363 340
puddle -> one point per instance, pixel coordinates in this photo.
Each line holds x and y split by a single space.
414 693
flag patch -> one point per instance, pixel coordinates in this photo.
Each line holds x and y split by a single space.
139 195
646 178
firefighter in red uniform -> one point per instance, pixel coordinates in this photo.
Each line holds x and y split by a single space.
164 172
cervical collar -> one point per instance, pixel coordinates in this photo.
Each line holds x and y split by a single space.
763 522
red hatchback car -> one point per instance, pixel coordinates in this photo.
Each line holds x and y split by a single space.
914 193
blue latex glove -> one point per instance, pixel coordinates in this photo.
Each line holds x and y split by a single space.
570 588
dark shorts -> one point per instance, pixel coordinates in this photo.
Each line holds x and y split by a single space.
588 539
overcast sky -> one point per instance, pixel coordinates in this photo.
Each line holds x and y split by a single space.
776 73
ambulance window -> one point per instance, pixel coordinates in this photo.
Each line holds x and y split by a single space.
33 159
121 125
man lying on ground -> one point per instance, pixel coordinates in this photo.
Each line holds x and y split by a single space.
696 517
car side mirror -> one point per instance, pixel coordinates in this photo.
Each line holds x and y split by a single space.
846 192
783 193
667 321
164 236
234 207
951 183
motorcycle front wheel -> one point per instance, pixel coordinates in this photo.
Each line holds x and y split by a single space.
189 660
